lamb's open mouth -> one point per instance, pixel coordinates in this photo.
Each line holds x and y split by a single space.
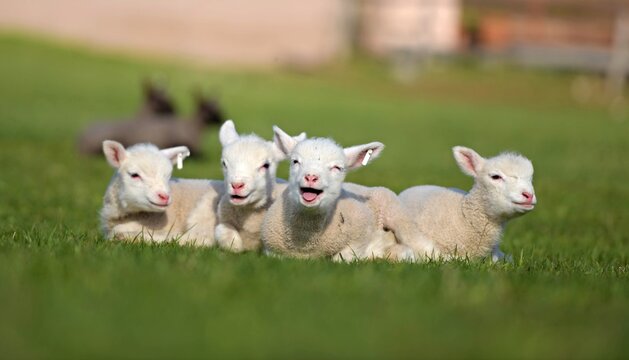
236 199
310 195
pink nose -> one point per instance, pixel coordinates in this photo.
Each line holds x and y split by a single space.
528 196
163 196
311 179
238 186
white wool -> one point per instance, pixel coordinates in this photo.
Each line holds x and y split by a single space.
318 215
142 202
249 167
461 224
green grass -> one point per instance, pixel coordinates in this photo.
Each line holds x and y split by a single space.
67 293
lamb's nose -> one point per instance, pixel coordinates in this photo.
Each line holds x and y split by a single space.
311 178
238 186
163 196
528 196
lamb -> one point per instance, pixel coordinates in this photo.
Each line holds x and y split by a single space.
318 216
471 224
143 203
168 132
249 167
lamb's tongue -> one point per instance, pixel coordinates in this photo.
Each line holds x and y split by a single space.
309 196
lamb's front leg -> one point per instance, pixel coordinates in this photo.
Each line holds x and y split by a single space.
198 237
497 255
228 238
134 232
401 253
346 255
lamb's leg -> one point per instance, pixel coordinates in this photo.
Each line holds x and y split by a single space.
346 255
134 232
269 253
395 218
497 255
401 253
228 238
198 237
376 247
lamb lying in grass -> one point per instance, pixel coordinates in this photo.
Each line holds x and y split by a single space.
471 224
317 216
249 165
143 203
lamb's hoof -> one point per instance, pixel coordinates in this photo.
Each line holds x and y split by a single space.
338 258
502 258
270 253
228 239
406 255
401 253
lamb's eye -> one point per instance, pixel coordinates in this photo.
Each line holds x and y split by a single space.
223 163
337 168
265 166
135 176
496 177
295 161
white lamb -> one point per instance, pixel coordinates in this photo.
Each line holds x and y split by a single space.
471 224
249 167
318 216
143 203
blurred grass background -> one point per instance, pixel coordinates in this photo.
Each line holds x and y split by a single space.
67 293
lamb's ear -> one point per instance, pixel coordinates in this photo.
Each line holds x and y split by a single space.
300 137
284 142
114 152
228 134
360 155
278 152
176 154
468 160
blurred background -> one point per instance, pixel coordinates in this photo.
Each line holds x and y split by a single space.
585 35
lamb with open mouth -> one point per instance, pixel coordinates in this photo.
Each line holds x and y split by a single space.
318 215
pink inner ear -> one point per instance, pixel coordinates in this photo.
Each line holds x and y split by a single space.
359 159
116 154
361 156
470 162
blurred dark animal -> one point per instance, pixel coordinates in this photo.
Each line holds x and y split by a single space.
157 105
157 102
166 132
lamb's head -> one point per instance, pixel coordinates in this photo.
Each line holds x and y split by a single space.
319 165
505 181
249 165
143 172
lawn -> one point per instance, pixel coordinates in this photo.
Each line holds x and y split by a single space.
65 292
